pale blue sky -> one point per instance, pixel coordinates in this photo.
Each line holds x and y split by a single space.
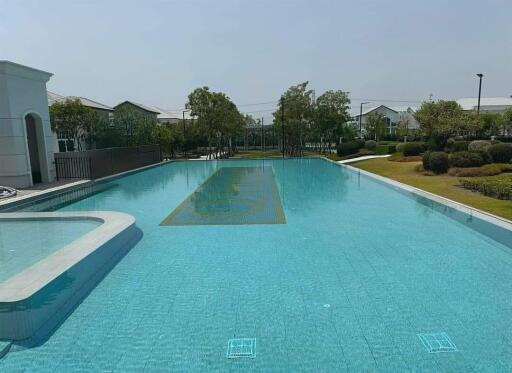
156 52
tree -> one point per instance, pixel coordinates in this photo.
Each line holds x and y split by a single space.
507 122
169 137
134 127
440 120
74 121
375 125
329 116
295 108
218 116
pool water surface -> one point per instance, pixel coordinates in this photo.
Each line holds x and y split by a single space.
25 242
359 278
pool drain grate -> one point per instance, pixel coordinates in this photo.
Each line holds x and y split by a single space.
437 342
241 347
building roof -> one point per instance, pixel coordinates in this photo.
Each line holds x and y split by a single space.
170 114
370 109
143 107
54 97
471 103
13 68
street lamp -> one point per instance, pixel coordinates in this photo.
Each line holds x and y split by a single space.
479 93
360 119
184 140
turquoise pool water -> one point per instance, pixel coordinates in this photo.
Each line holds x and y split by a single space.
361 278
26 242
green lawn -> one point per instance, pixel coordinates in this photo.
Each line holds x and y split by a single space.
253 154
443 185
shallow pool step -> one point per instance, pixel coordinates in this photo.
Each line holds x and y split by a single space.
4 348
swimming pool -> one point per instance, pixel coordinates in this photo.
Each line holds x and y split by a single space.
25 242
360 277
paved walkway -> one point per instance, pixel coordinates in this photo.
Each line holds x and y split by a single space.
363 158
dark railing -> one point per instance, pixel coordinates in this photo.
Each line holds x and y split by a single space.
94 164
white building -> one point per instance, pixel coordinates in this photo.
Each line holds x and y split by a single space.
171 116
487 104
27 143
392 115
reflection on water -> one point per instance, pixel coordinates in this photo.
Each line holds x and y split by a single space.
232 195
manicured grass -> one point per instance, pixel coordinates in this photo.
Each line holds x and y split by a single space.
253 154
443 185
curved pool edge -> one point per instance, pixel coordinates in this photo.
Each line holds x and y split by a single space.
50 288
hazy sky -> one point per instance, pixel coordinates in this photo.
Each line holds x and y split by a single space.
156 52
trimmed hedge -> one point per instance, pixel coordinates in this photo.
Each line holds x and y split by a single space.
385 149
479 145
498 187
347 148
370 144
411 148
485 170
436 162
466 159
457 145
501 153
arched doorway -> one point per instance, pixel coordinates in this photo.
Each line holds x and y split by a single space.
35 145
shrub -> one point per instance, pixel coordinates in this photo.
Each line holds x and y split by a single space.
360 142
347 148
485 156
425 161
385 149
457 145
412 148
503 138
437 162
466 159
501 153
479 145
370 144
498 186
400 147
486 170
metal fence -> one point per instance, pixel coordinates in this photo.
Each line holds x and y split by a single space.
94 164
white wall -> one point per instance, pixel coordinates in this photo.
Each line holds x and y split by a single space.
22 92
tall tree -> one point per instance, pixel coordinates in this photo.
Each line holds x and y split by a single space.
329 116
293 113
134 127
218 116
375 125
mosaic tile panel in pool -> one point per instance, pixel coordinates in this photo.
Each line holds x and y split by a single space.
232 196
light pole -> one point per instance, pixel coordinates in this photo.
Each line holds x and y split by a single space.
282 122
184 139
479 93
360 119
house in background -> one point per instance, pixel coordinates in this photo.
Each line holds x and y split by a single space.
392 116
147 111
171 116
487 104
103 111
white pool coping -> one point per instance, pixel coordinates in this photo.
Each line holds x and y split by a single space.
26 283
363 158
